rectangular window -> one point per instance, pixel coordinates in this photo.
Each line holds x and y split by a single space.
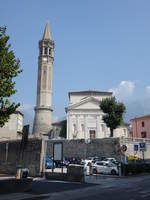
92 134
143 124
143 134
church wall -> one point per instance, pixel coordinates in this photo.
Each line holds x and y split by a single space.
10 159
109 147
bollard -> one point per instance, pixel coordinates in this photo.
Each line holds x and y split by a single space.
119 170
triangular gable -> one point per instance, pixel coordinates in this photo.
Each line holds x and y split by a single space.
88 103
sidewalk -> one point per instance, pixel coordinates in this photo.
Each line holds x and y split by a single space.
9 184
3 177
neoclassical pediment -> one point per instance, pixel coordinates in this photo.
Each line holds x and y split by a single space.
87 103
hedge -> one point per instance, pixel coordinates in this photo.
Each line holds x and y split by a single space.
135 168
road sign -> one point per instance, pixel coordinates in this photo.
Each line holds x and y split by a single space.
124 147
142 146
136 147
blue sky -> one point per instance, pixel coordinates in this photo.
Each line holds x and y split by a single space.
99 44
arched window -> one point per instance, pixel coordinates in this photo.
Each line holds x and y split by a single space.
45 51
49 51
41 51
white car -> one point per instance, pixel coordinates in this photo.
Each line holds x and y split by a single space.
87 161
105 167
113 160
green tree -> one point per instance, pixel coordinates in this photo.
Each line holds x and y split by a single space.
113 113
9 68
63 131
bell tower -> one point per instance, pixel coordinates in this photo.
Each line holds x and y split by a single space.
43 109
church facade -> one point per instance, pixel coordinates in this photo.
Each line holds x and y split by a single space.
85 119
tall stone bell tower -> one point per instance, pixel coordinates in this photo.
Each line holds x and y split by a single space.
43 109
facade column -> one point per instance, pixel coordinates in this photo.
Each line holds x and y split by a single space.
98 134
68 124
69 127
85 128
78 126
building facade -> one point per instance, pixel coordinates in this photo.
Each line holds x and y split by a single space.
123 131
85 119
43 109
12 129
141 127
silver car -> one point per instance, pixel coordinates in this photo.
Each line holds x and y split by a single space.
105 167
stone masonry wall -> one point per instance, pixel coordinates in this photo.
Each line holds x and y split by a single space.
108 147
31 157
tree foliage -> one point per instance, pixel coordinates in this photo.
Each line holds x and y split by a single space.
113 113
9 68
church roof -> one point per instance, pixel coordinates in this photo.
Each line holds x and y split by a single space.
141 117
89 92
59 123
47 34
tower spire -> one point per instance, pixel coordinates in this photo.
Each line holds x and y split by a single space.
43 109
47 34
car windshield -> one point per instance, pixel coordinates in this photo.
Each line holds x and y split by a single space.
99 163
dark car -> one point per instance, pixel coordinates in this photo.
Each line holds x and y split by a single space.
49 164
65 162
59 163
75 160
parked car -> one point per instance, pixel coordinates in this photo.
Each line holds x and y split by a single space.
113 160
92 160
105 167
89 160
75 160
60 163
49 164
66 162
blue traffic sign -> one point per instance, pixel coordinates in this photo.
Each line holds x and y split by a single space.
142 146
136 147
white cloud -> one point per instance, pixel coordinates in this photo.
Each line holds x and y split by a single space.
148 91
124 90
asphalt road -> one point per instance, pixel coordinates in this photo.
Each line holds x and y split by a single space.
43 187
95 188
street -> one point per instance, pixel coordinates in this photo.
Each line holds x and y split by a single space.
100 187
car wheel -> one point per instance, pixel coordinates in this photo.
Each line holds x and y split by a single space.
94 171
113 172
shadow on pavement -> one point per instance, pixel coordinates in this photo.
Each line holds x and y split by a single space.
43 187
